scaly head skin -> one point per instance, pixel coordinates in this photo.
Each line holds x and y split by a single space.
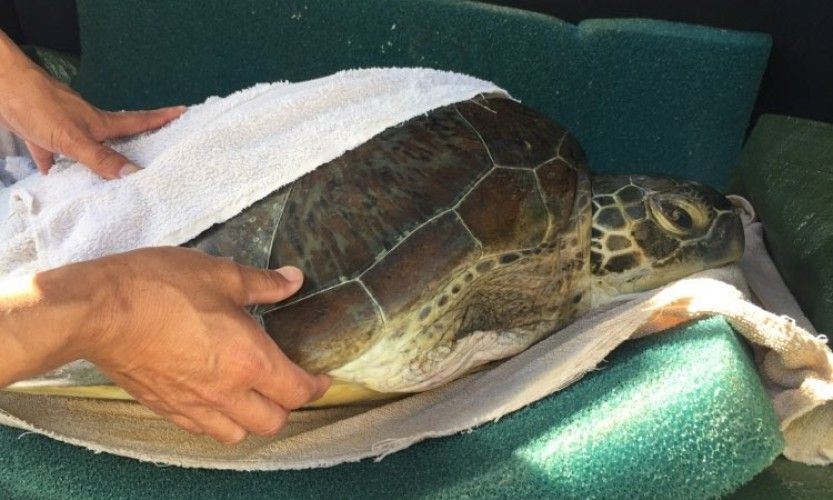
649 231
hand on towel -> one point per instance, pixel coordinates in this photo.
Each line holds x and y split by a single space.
51 118
169 326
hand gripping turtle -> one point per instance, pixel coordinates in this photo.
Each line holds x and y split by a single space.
462 237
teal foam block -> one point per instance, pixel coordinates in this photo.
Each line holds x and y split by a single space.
681 415
642 96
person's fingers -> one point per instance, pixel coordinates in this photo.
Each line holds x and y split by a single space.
257 414
165 411
323 381
184 423
289 385
42 157
265 286
216 425
101 159
124 123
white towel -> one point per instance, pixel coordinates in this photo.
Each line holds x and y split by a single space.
13 168
218 158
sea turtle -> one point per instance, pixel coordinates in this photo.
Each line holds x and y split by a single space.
462 237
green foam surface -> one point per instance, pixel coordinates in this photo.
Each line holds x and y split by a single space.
646 96
681 415
787 173
789 480
61 65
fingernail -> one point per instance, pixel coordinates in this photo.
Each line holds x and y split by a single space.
128 169
291 273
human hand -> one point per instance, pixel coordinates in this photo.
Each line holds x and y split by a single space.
170 328
51 118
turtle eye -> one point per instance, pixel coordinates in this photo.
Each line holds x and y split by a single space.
676 215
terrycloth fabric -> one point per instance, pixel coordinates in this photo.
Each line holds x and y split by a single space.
18 167
681 415
767 286
6 179
14 161
328 437
211 163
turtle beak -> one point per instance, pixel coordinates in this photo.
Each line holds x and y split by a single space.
726 243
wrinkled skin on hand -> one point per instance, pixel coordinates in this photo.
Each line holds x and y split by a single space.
169 325
52 118
180 341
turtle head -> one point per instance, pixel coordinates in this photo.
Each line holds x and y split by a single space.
649 231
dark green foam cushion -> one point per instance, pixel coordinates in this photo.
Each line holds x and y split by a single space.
61 65
641 95
789 480
787 173
680 415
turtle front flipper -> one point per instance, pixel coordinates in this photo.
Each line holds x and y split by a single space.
248 237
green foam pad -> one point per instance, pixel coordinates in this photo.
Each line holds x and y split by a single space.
646 96
789 480
679 415
61 65
787 173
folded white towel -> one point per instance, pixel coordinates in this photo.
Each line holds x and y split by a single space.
14 169
218 158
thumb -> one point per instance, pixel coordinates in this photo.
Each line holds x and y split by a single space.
102 160
265 286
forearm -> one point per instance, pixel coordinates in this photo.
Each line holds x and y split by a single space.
13 66
12 59
43 322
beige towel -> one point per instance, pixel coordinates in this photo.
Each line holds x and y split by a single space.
796 366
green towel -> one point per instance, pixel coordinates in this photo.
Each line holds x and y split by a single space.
678 415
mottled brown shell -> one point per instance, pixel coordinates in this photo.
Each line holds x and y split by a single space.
396 229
